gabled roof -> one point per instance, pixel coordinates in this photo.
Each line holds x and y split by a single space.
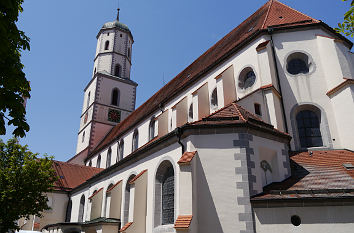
315 174
71 175
272 14
234 114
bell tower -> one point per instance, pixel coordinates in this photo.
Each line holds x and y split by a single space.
110 95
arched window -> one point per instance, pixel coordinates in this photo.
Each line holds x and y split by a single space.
88 99
106 45
190 113
108 202
83 137
109 157
164 194
257 109
135 143
90 163
298 63
152 129
117 70
128 52
214 98
94 71
81 209
127 200
120 150
115 97
98 164
308 125
68 211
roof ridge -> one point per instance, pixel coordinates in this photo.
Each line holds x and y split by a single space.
77 165
270 2
238 111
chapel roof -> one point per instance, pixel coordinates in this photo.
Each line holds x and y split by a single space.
71 175
315 174
273 14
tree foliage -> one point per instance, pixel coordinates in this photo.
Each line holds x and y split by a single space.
24 180
13 83
347 27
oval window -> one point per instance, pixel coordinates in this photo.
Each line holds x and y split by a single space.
247 78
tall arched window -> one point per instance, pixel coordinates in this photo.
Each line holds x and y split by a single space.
109 157
127 200
128 52
164 194
308 126
115 97
117 70
106 45
98 164
214 98
120 151
68 211
152 129
135 143
81 209
190 113
83 137
90 163
108 202
88 100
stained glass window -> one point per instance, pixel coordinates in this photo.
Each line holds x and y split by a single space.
168 190
309 129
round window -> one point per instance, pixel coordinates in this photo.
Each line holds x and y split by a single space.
298 63
295 220
247 78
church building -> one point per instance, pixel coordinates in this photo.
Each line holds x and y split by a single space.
256 135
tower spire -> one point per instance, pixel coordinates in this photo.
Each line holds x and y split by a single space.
118 13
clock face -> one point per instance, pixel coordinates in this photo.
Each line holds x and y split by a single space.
114 115
85 119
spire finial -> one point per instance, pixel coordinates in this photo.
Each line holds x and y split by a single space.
118 13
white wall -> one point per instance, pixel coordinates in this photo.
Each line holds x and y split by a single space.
324 219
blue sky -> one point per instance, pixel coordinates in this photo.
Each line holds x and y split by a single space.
168 35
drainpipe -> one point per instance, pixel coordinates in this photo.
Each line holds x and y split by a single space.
179 133
270 31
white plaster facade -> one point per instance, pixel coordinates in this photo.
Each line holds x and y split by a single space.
215 187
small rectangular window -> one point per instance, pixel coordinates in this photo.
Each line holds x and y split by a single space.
257 109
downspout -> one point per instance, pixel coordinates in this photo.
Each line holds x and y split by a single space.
179 133
270 31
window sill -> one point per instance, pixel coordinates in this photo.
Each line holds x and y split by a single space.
164 228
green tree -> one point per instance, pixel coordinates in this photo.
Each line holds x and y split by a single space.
24 180
13 83
347 27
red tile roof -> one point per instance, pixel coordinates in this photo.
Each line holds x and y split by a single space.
137 176
95 192
346 82
125 227
183 221
235 114
186 158
320 174
113 186
71 175
272 14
